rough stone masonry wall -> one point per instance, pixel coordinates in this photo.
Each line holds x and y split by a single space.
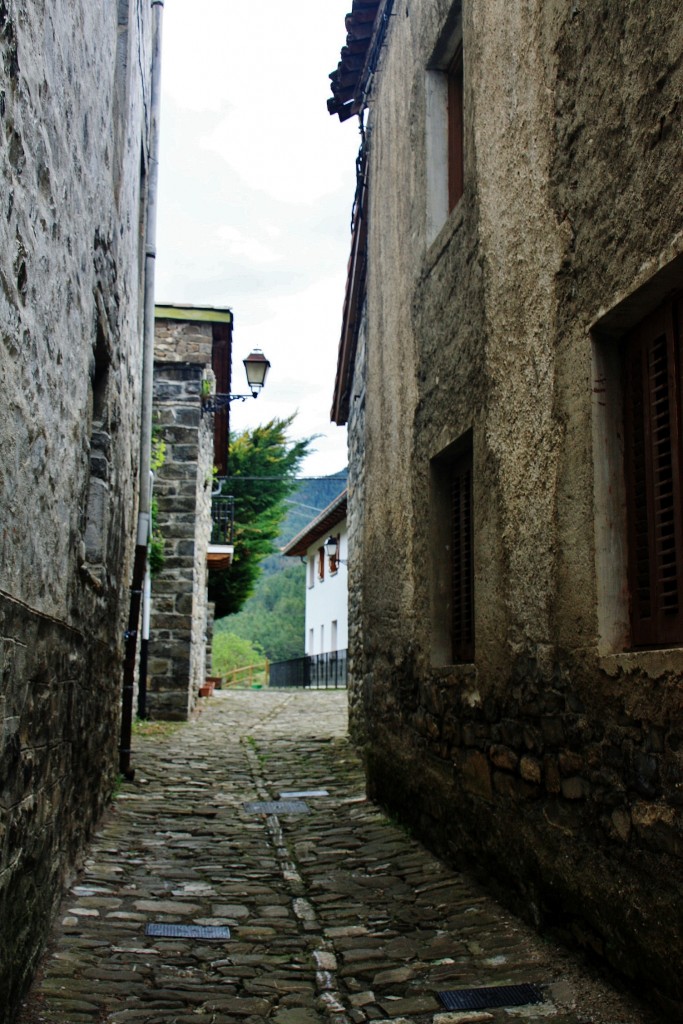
177 649
357 668
72 136
549 767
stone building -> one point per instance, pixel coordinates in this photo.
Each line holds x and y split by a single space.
192 356
74 137
510 369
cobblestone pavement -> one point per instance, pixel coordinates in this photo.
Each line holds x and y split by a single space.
336 916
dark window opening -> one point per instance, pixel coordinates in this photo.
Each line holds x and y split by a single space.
100 378
462 559
452 554
652 432
221 357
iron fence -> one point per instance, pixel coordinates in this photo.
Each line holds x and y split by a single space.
315 671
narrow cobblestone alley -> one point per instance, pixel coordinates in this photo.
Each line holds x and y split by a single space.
334 915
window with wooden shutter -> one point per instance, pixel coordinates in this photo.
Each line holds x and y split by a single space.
445 122
462 569
454 76
652 433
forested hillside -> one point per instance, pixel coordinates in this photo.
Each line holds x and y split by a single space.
273 617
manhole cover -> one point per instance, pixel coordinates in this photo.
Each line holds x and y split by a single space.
186 931
276 807
498 995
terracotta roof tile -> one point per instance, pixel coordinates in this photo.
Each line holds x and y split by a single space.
346 80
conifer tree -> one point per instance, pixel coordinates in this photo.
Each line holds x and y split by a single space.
262 468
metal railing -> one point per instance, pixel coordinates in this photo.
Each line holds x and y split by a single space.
316 671
222 519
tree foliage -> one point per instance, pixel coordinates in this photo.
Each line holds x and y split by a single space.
230 651
274 617
262 465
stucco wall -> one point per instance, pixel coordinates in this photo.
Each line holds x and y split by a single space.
72 127
327 599
561 755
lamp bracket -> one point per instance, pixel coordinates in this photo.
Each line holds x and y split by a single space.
221 401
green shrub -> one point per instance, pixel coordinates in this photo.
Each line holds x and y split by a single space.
230 651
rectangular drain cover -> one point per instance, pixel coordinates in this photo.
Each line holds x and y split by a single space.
276 807
498 995
186 931
295 793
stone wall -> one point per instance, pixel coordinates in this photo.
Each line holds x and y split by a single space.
551 764
72 142
180 341
177 648
357 671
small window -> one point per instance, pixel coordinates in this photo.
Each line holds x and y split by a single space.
97 504
321 563
445 124
452 539
652 431
462 569
456 165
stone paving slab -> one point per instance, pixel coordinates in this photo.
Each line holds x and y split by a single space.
336 916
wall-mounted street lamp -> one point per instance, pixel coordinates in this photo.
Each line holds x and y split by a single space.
256 367
332 550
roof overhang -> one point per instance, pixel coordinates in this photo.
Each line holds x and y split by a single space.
324 522
349 80
219 556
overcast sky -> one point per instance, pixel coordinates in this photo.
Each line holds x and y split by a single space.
255 194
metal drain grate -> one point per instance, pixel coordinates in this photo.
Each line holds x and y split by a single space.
186 931
276 807
290 794
484 998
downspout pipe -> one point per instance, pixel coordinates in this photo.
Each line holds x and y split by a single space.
145 499
146 617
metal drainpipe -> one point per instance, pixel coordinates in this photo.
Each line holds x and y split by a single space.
146 616
144 510
144 644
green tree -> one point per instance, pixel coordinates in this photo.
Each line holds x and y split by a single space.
262 465
274 616
230 651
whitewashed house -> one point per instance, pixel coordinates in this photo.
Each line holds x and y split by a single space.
323 545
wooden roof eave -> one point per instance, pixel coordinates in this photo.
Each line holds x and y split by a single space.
323 524
353 304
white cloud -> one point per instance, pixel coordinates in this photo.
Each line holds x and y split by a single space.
256 187
250 248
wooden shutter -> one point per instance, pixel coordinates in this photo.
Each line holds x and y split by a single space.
652 436
462 560
221 357
455 130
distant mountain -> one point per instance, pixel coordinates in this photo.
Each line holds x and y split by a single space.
310 498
